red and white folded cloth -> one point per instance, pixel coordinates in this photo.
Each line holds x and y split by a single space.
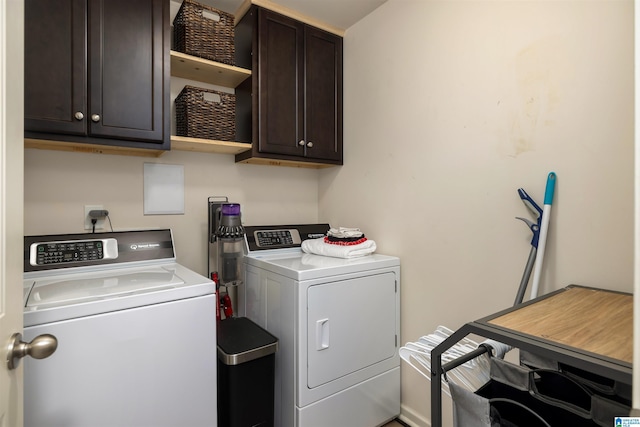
340 243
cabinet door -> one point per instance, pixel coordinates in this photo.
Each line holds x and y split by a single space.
323 94
280 84
55 67
127 67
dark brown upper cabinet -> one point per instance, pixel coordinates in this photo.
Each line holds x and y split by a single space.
97 72
291 108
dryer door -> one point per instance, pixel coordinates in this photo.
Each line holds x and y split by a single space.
351 324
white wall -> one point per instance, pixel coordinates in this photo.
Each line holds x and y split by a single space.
450 106
59 184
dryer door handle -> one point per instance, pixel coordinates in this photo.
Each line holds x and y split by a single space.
322 334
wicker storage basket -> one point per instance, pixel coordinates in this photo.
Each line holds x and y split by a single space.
198 32
199 114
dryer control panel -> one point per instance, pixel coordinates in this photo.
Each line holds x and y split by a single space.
265 237
277 238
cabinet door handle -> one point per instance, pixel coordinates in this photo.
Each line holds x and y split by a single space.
78 115
95 117
301 142
309 144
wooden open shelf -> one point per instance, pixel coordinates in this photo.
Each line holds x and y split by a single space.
203 70
185 143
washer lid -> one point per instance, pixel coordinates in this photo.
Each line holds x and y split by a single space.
85 288
58 297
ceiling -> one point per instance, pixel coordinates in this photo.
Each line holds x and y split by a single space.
337 13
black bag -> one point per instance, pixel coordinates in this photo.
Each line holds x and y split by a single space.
521 396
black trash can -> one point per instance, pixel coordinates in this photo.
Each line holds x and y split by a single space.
246 374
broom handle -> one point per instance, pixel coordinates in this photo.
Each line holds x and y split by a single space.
544 227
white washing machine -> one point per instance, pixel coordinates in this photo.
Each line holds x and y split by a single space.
136 333
338 325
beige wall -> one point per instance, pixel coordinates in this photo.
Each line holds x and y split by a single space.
450 106
59 184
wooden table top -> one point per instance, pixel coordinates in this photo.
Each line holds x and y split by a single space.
593 320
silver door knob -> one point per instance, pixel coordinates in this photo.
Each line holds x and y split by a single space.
309 144
95 117
78 115
301 142
40 347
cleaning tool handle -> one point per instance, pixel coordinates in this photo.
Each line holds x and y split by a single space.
529 202
544 227
551 185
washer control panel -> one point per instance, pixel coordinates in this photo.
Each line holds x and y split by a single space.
72 251
81 250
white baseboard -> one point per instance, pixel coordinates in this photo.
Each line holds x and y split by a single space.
413 419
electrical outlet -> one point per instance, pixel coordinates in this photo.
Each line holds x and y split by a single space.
87 218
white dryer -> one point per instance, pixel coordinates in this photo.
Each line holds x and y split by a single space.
136 333
338 325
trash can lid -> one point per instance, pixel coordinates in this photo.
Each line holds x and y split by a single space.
240 340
